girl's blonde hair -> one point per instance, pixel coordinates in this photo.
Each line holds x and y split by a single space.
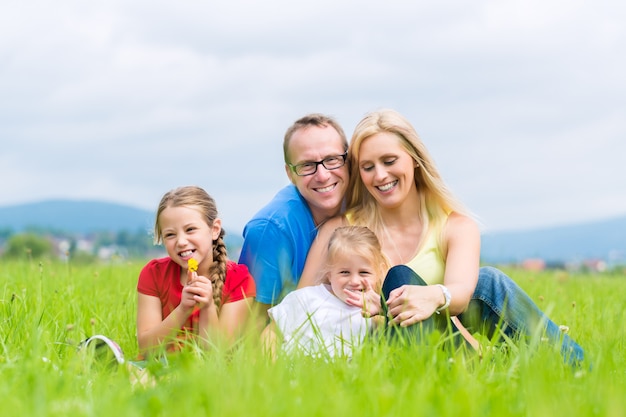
356 241
436 199
198 199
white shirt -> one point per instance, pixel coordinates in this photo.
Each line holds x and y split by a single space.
314 320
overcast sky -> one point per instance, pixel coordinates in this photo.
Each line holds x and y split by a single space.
521 103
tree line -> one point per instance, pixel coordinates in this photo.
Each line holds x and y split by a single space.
40 243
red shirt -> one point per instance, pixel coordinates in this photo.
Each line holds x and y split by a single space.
161 278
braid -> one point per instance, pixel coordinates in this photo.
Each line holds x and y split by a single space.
218 269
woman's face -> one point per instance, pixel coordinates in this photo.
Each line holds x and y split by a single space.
387 170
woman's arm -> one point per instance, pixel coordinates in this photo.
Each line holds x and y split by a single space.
462 240
317 253
411 304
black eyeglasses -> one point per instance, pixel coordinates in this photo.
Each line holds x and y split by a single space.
310 168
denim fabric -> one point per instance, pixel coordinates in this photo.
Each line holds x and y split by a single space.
498 302
398 276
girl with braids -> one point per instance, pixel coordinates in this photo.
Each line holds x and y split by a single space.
174 301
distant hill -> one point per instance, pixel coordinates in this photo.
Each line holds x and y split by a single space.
75 216
84 217
604 240
601 239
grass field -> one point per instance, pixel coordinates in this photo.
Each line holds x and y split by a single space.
47 309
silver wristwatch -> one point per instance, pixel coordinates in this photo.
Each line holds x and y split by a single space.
448 297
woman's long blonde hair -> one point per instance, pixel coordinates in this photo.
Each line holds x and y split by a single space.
436 199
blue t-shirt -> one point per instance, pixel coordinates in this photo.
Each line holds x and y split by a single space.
276 242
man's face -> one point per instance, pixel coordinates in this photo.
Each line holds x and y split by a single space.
323 190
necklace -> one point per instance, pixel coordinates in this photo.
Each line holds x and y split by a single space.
394 246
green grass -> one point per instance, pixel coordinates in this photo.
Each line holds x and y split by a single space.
47 309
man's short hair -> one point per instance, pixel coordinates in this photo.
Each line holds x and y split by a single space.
312 119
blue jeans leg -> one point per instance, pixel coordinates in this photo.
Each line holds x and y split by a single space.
398 276
499 301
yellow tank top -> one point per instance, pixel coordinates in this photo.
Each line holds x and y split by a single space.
428 263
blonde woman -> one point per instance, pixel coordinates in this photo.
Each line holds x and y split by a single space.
396 190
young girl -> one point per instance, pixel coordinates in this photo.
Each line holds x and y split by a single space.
174 301
330 318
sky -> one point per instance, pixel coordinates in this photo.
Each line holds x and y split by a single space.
522 104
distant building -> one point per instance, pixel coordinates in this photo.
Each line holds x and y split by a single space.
533 264
595 265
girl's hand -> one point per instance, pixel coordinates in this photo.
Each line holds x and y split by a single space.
191 276
411 304
198 292
368 299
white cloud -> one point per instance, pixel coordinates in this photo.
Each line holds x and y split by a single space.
521 103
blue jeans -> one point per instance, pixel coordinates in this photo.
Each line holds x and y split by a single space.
497 303
398 276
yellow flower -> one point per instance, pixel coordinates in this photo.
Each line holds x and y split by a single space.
192 264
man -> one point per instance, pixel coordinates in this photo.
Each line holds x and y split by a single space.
277 239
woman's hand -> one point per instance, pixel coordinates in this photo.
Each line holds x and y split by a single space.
411 304
367 299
